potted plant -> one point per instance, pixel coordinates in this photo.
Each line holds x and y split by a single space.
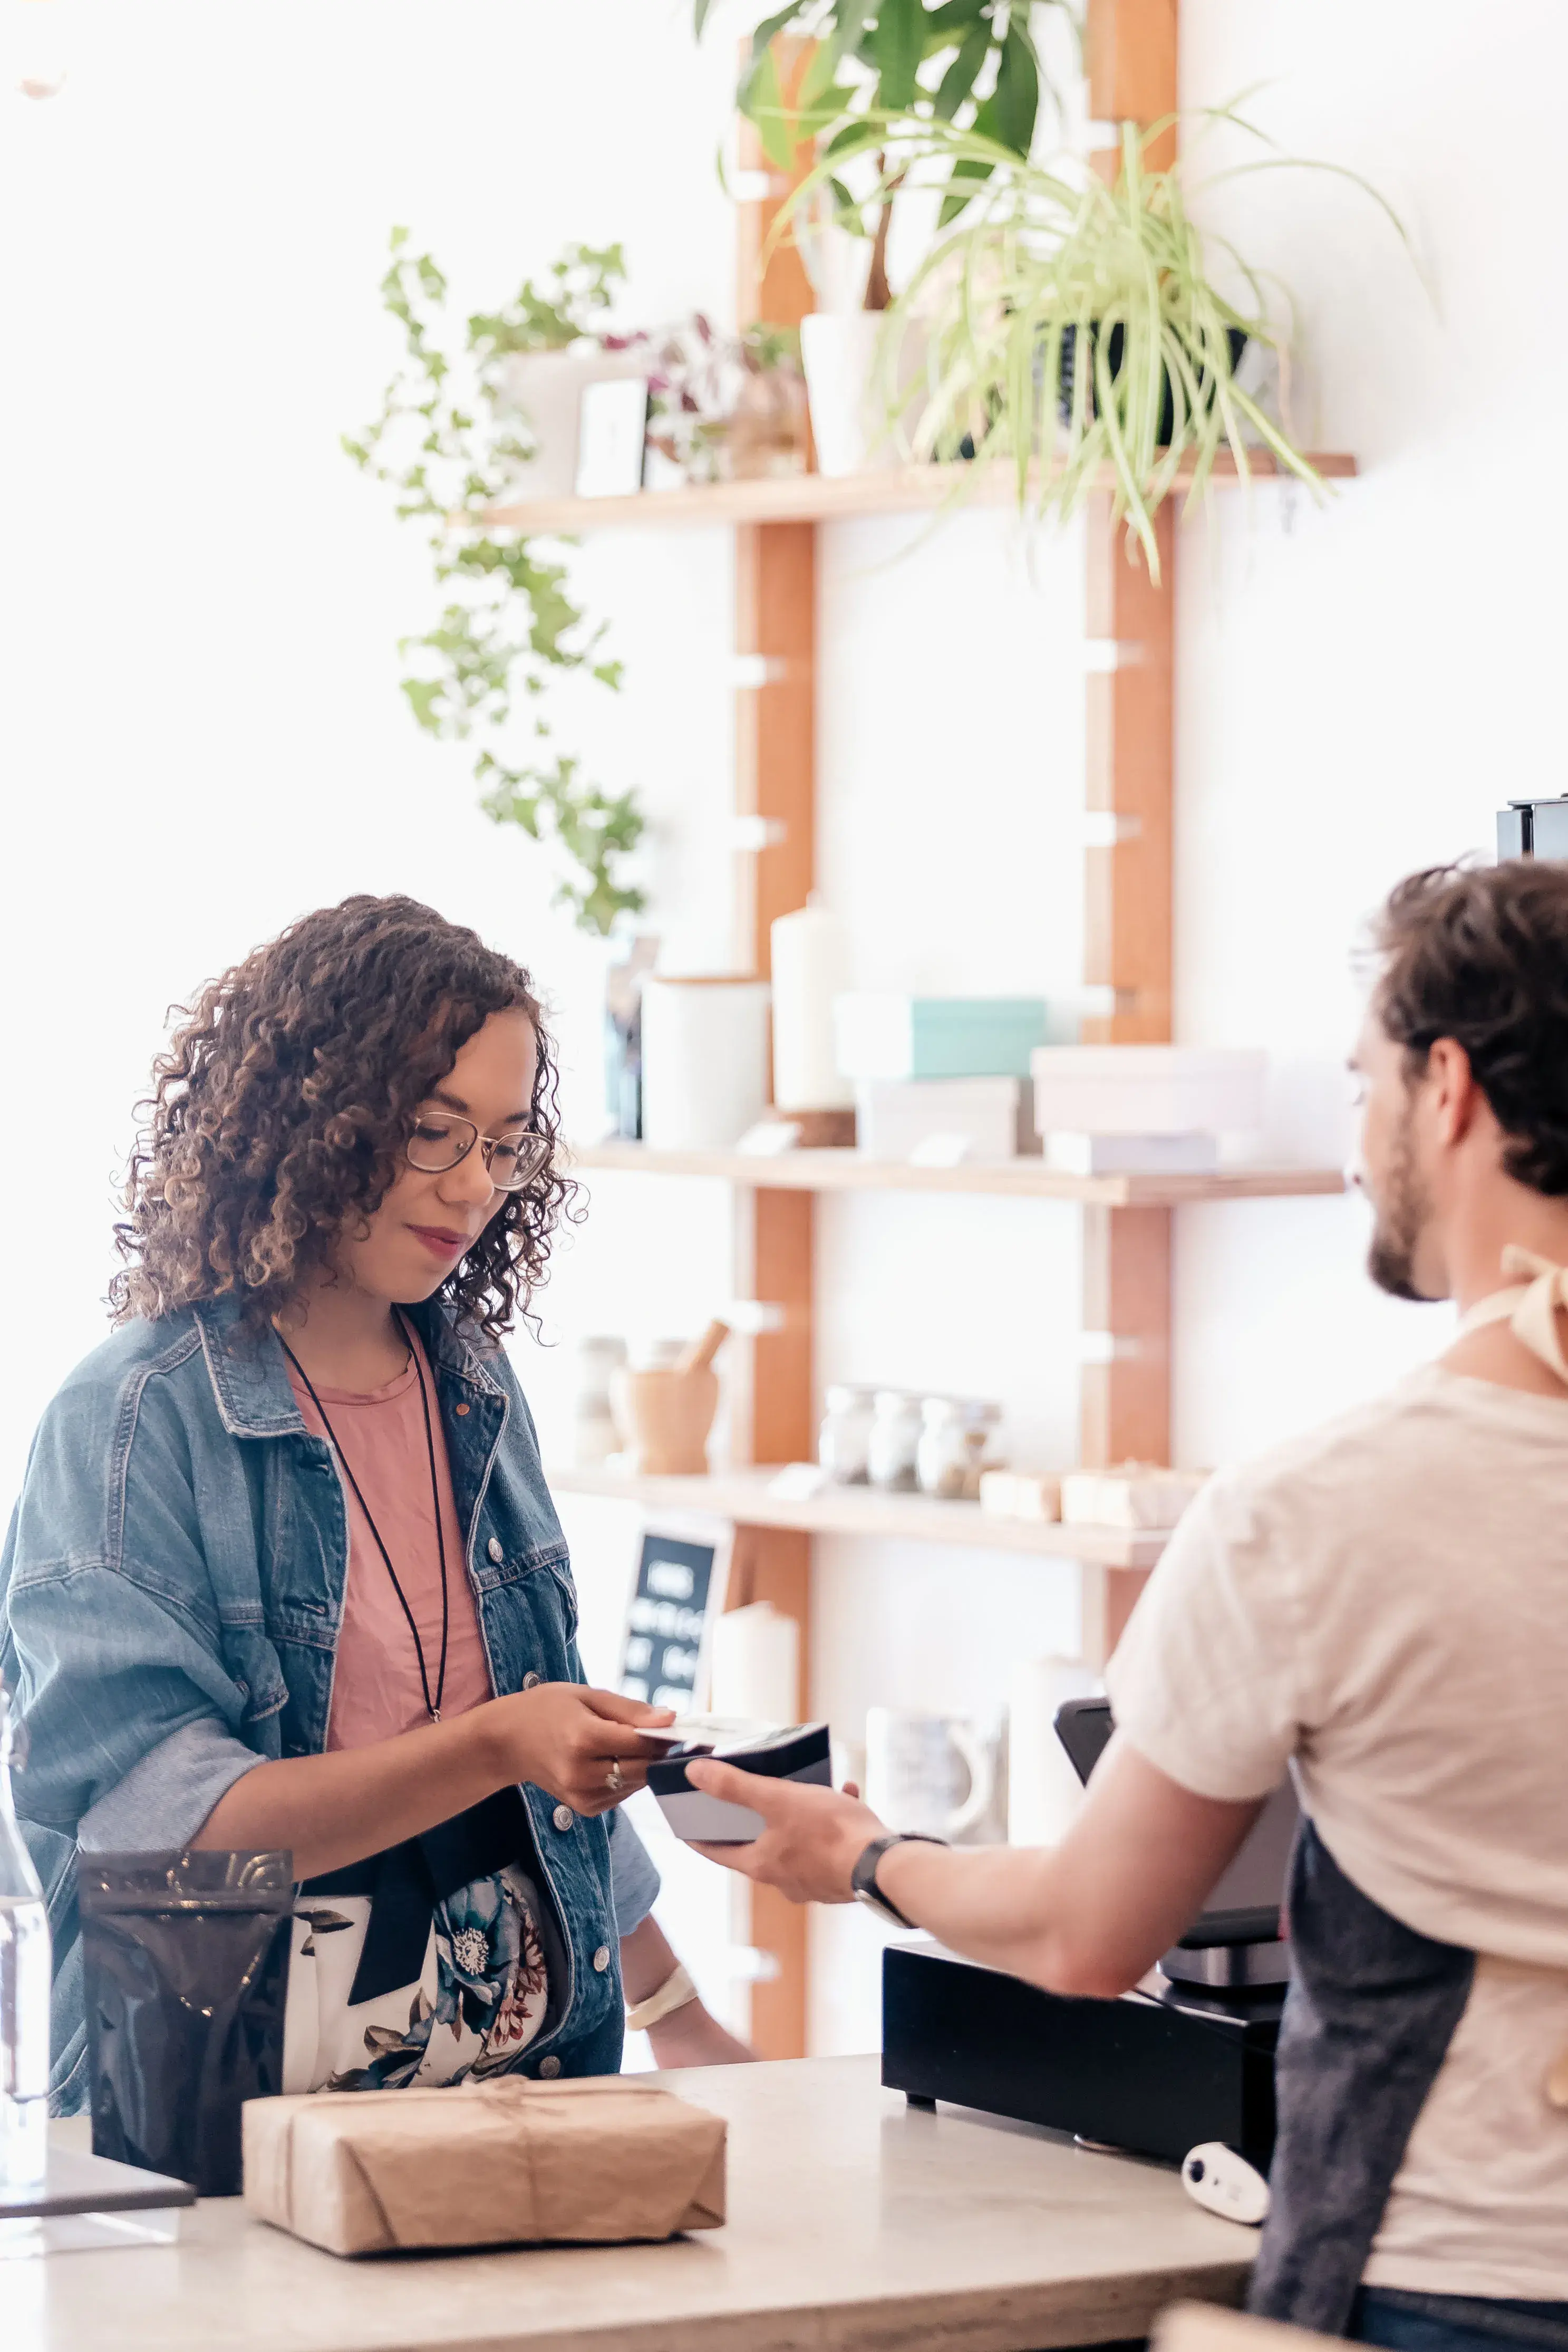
1081 331
820 73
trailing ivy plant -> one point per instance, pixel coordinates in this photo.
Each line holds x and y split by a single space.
449 443
972 62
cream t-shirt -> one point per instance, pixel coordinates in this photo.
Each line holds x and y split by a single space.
1382 1605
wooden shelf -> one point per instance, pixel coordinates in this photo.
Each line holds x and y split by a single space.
824 498
743 1495
1017 1180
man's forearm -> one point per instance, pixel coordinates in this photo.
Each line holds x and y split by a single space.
999 1905
330 1810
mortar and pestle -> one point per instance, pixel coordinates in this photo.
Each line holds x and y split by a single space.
665 1414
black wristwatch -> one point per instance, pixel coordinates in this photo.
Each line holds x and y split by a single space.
863 1878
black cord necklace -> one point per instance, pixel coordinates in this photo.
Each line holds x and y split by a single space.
431 1705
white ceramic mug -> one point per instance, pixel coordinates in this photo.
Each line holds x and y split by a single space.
935 1773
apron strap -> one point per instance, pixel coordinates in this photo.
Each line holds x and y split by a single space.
1371 2010
1529 1307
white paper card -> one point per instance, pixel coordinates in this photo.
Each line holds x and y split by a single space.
610 434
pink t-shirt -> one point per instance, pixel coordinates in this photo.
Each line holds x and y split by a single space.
376 1689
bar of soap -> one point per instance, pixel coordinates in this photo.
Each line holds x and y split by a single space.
1021 1495
1132 1494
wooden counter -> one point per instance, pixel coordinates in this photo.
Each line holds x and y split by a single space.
854 2221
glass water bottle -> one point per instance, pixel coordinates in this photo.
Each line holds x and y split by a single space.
24 1992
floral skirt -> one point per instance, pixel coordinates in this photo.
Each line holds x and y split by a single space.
478 2001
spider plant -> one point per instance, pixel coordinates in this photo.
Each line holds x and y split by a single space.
1074 330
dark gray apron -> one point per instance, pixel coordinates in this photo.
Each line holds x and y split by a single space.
1371 2010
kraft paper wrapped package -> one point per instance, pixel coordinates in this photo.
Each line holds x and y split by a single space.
601 2162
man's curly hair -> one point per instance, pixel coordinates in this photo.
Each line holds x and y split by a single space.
1480 954
281 1110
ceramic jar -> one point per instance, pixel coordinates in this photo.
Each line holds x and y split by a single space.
843 1440
893 1439
594 1433
954 1446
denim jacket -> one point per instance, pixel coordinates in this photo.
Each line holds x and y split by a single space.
171 1595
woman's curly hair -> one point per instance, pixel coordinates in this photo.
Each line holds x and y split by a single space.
1480 954
281 1111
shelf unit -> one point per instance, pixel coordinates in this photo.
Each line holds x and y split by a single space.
746 1498
825 498
1006 1180
1130 53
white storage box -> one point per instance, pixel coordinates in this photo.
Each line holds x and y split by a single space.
1146 1089
946 1122
1073 1153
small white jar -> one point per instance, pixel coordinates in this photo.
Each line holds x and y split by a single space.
594 1435
893 1440
843 1438
955 1447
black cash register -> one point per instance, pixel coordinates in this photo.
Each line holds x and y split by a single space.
1188 2056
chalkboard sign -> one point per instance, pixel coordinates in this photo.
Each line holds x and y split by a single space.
678 1594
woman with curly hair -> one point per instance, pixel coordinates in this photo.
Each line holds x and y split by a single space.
285 1571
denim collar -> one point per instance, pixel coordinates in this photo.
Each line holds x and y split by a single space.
250 1376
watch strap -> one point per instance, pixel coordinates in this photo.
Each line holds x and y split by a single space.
863 1878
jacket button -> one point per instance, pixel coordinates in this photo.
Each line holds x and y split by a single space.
460 1410
493 1551
601 1958
563 1817
549 2069
530 1680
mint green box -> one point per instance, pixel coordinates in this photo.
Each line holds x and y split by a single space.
886 1035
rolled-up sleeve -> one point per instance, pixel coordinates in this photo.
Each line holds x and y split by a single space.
633 1879
164 1801
113 1638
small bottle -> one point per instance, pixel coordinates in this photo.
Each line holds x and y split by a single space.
844 1436
24 1992
894 1436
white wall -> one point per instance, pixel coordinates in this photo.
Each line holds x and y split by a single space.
201 733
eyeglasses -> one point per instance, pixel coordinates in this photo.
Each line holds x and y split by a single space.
441 1140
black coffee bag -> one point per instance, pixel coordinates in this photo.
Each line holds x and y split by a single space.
186 1957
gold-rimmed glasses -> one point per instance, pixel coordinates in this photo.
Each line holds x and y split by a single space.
442 1138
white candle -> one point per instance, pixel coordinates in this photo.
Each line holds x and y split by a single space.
705 1054
808 971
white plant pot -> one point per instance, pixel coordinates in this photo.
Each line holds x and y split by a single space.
838 352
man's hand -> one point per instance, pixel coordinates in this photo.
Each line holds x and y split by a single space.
811 1840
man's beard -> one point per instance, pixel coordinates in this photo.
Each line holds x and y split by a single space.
1401 1218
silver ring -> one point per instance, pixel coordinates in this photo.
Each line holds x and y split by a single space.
615 1780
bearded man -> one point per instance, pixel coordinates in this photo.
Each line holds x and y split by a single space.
1380 1607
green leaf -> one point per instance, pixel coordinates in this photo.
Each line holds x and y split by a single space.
848 28
957 83
1016 99
765 106
898 44
962 185
949 21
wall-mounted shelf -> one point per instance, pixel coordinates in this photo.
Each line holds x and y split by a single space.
1015 1180
743 1495
826 498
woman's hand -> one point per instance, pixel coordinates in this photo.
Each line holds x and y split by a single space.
568 1741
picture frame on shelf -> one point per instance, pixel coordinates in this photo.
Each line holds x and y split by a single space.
611 439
